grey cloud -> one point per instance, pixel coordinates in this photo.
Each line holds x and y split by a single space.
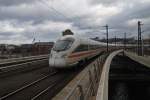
103 2
33 16
6 34
37 15
120 20
15 2
137 11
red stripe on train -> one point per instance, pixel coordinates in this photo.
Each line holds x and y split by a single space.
81 53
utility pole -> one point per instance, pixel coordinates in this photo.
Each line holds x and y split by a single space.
39 51
139 39
107 35
149 41
142 52
115 41
149 44
125 41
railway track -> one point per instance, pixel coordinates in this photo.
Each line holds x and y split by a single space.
14 61
41 87
24 88
47 85
8 68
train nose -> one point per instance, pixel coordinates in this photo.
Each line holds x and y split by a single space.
57 62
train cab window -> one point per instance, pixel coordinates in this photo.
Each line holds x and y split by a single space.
62 45
81 48
93 47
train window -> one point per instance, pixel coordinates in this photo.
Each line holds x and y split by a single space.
93 47
81 48
90 47
62 45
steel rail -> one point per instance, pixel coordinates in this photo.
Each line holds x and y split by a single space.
22 60
26 86
44 91
21 65
14 59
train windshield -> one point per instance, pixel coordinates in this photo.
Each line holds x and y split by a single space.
62 45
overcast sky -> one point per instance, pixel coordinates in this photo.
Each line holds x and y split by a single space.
22 20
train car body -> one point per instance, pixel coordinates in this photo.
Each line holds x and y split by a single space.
70 50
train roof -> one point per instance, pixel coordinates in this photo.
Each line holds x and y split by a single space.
83 40
92 42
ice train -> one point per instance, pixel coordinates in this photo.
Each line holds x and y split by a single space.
70 50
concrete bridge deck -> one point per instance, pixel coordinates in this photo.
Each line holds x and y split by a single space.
93 82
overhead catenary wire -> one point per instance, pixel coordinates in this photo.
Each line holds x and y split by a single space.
54 9
50 7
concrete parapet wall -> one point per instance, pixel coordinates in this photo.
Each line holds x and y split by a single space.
140 59
102 93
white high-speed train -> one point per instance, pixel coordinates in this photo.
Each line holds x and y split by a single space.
70 50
